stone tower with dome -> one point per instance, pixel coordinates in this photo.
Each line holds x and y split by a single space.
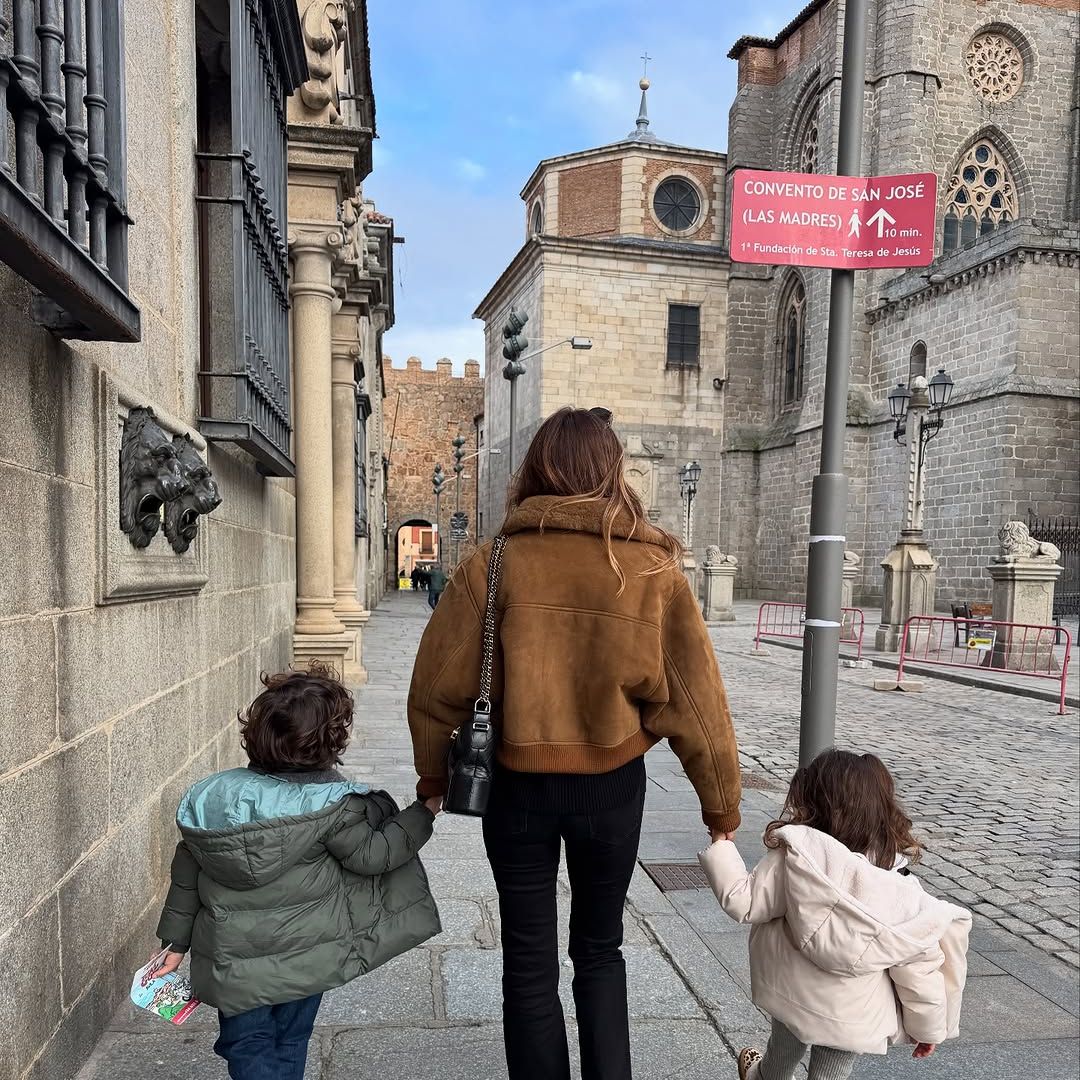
623 244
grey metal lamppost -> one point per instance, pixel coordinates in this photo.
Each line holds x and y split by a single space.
689 475
438 483
459 468
513 352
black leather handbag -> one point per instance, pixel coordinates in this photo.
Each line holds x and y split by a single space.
472 746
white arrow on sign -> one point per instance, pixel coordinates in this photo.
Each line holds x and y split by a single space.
881 217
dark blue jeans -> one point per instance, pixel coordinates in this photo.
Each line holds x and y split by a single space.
269 1043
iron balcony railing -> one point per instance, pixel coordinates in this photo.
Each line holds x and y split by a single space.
63 213
245 371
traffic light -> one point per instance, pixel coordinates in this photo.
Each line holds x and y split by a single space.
438 480
516 341
459 453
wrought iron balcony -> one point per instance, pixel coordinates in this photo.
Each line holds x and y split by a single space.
63 214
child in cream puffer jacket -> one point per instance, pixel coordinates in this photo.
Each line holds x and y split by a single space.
847 953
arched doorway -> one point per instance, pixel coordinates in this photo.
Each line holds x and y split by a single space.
416 545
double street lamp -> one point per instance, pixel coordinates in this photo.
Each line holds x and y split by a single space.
689 475
938 392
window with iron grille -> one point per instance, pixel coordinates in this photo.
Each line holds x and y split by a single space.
363 411
683 336
249 59
63 163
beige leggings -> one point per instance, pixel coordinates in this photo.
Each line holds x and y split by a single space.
784 1053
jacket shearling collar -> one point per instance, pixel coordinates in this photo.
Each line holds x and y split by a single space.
568 514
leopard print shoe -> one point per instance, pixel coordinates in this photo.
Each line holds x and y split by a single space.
748 1058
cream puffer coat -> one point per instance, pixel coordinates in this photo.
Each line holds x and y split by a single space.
843 953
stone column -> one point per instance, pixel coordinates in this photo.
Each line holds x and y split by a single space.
319 633
910 570
346 606
720 571
1024 576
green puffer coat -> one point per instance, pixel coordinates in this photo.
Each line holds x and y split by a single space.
283 889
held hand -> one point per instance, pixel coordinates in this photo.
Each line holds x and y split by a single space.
434 804
924 1050
169 963
716 834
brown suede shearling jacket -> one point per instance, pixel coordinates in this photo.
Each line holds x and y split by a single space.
586 679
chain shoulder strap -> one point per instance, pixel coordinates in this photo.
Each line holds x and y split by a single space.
494 571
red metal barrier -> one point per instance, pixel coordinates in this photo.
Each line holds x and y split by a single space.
987 644
787 621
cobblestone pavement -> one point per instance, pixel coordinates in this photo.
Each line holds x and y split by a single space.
990 779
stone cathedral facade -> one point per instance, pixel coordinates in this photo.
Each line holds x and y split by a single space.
984 94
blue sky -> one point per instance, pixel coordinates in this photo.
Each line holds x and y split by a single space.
471 95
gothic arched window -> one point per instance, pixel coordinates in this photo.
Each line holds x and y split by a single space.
808 144
537 225
981 196
917 362
792 343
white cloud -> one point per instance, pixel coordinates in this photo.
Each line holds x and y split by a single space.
468 169
459 341
593 88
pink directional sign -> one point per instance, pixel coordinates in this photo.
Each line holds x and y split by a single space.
843 222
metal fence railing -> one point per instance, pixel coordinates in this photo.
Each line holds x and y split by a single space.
988 645
783 620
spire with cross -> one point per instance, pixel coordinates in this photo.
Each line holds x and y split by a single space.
641 132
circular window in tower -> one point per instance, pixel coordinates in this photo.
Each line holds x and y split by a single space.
677 204
995 67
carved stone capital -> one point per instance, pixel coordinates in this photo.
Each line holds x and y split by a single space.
323 27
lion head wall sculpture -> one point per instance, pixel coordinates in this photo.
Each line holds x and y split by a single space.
200 496
150 476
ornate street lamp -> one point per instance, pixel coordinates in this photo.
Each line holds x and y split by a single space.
689 475
935 395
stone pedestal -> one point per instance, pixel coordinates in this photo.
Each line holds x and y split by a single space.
719 593
319 633
690 569
1024 593
847 593
909 588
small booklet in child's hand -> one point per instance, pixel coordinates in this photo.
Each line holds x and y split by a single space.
169 996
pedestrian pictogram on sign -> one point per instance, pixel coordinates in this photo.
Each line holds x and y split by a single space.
842 222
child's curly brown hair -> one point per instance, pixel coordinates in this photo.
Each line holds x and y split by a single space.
299 723
851 797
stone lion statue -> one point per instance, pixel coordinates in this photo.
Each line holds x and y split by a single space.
715 557
851 558
1018 543
200 497
150 476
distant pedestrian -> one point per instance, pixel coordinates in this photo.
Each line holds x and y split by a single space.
416 578
603 653
436 585
847 953
289 880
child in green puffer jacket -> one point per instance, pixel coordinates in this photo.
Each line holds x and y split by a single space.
289 880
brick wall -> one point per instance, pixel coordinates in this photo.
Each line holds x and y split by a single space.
590 198
424 410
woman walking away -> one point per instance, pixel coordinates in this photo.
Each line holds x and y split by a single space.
847 953
602 652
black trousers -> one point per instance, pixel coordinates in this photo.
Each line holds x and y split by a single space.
601 849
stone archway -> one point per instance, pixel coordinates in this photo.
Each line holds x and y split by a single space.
415 541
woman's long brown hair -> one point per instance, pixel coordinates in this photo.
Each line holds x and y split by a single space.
575 454
851 797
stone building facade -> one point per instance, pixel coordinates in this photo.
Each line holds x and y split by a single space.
982 93
425 410
600 262
129 637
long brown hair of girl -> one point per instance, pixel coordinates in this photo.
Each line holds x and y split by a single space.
851 797
576 454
